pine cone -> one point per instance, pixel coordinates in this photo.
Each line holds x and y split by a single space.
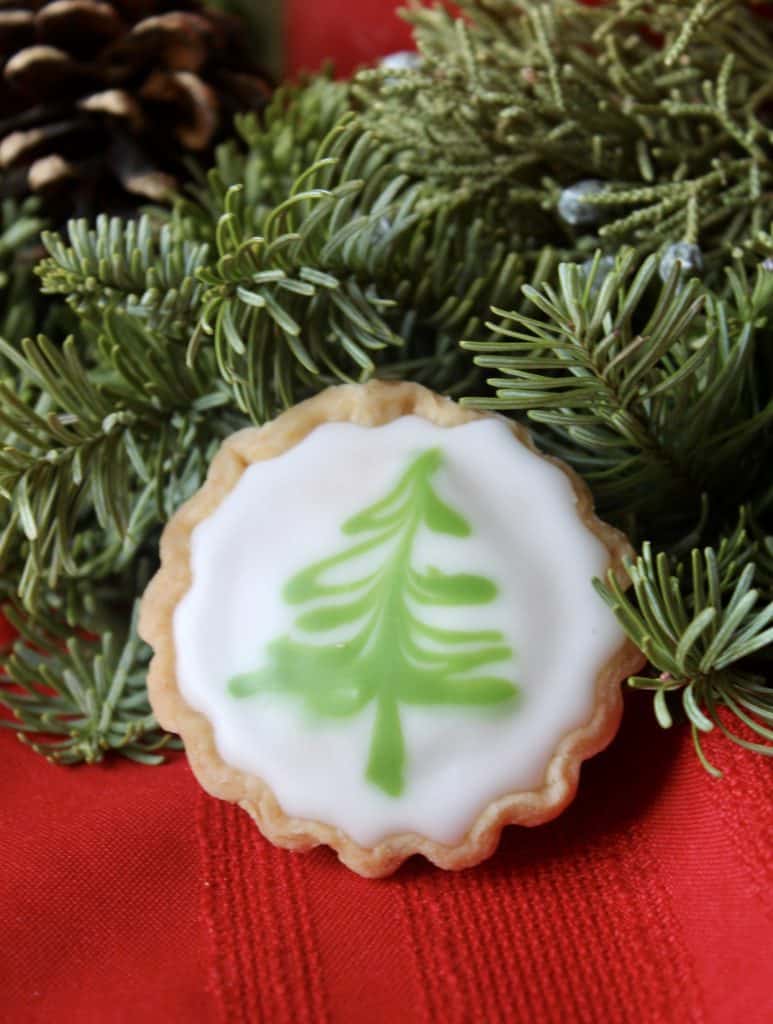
102 101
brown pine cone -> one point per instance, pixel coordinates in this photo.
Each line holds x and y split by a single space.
102 101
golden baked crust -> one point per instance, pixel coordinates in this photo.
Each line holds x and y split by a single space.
371 404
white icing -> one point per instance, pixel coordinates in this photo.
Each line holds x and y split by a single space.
286 513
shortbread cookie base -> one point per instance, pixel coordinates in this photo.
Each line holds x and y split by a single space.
373 404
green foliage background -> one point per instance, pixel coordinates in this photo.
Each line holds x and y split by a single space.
407 225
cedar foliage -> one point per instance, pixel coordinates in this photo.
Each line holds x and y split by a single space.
408 225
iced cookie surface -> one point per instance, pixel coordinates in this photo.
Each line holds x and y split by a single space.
384 628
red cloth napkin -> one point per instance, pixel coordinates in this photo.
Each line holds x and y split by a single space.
127 894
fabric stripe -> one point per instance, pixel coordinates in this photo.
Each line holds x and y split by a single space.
533 946
264 962
308 962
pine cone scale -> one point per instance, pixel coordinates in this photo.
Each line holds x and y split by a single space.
17 30
175 41
116 103
28 145
46 71
50 171
195 103
81 27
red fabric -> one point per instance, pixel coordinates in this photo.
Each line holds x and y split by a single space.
352 33
127 894
99 893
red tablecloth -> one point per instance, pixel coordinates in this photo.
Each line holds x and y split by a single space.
127 894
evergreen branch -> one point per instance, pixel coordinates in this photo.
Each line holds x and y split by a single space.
268 155
74 698
650 392
700 625
131 265
20 307
316 291
85 453
264 291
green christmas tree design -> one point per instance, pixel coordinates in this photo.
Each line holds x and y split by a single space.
393 656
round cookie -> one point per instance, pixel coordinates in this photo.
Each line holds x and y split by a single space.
374 628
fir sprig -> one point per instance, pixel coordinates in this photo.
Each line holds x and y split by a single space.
112 451
275 314
20 227
356 271
131 265
75 698
699 624
651 391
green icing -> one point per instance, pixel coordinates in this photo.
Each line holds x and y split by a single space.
393 657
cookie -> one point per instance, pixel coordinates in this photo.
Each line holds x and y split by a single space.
374 628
